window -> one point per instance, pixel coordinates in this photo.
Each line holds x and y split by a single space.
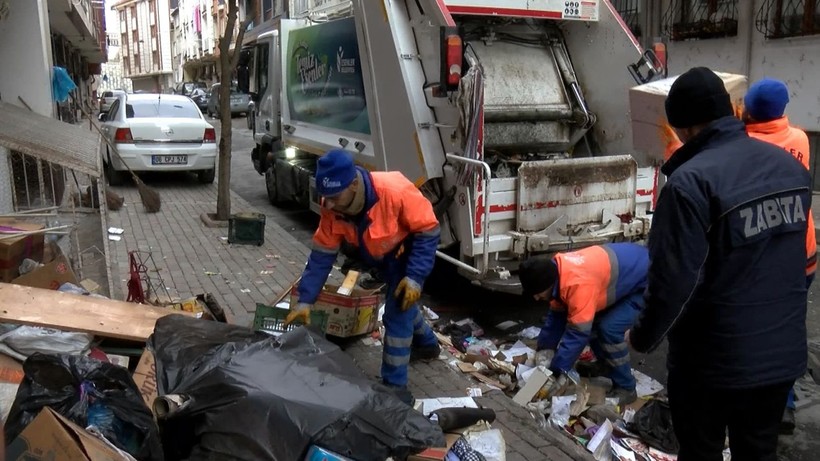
112 112
630 11
788 18
261 71
700 19
160 108
267 9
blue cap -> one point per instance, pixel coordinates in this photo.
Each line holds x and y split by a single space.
766 99
335 171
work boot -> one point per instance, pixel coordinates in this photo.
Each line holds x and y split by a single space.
593 369
402 393
624 396
787 423
425 353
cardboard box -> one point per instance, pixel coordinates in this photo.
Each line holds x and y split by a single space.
436 453
145 376
52 437
50 276
347 315
14 250
648 113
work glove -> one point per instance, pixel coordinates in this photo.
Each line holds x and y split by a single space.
543 358
301 312
412 292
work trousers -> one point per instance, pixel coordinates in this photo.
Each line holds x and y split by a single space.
701 415
607 340
402 331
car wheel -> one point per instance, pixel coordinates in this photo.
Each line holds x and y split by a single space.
270 185
207 176
115 178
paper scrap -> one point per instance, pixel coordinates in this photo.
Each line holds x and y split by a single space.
466 367
431 405
621 453
530 332
600 443
629 415
646 385
535 382
245 290
474 392
115 230
115 238
429 314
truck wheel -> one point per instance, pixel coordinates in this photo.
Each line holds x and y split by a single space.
270 185
115 178
207 176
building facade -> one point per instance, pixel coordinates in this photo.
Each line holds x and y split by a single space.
145 43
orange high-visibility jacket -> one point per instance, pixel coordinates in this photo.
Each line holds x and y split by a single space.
795 142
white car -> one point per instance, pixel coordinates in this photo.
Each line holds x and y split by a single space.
158 132
108 98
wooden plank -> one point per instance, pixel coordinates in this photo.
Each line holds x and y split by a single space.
64 311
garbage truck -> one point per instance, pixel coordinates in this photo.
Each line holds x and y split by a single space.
511 117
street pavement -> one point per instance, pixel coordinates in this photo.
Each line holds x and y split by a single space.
194 259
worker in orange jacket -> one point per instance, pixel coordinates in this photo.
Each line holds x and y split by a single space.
595 295
765 104
394 229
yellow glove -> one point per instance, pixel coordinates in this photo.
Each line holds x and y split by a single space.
412 292
301 312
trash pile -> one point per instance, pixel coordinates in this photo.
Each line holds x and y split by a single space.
578 407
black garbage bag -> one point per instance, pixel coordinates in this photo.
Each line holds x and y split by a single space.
653 422
228 393
88 392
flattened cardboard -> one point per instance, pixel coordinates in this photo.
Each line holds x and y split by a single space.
52 437
50 276
14 250
145 376
436 453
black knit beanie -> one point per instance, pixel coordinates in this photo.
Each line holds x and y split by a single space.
537 274
697 97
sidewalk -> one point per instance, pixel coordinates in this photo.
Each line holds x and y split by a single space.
186 252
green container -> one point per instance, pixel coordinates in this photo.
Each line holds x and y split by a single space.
246 229
270 318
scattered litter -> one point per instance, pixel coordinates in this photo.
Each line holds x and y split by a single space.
476 329
560 410
629 415
530 332
474 392
430 405
646 386
265 272
508 325
489 443
466 367
224 239
534 384
429 314
516 350
115 230
600 444
211 274
245 290
621 453
368 341
115 238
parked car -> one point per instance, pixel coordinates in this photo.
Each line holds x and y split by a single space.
108 98
200 98
187 88
239 101
158 132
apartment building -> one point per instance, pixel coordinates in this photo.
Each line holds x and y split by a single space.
145 43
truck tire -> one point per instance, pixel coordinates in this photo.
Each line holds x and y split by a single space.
115 178
270 185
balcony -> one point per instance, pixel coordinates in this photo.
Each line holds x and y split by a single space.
82 24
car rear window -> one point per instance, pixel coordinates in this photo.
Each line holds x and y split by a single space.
171 109
108 94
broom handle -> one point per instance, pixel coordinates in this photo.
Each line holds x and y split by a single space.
286 292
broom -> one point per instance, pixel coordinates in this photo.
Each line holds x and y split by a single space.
150 197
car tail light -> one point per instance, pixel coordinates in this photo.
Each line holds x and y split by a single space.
123 135
210 135
452 54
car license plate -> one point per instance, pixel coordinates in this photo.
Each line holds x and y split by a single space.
235 101
169 159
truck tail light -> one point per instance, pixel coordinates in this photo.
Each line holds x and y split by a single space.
210 135
123 135
452 55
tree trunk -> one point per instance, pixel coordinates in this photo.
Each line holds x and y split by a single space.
227 64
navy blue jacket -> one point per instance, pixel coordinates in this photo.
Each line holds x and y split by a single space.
727 267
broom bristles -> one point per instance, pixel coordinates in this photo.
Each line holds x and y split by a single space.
150 197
